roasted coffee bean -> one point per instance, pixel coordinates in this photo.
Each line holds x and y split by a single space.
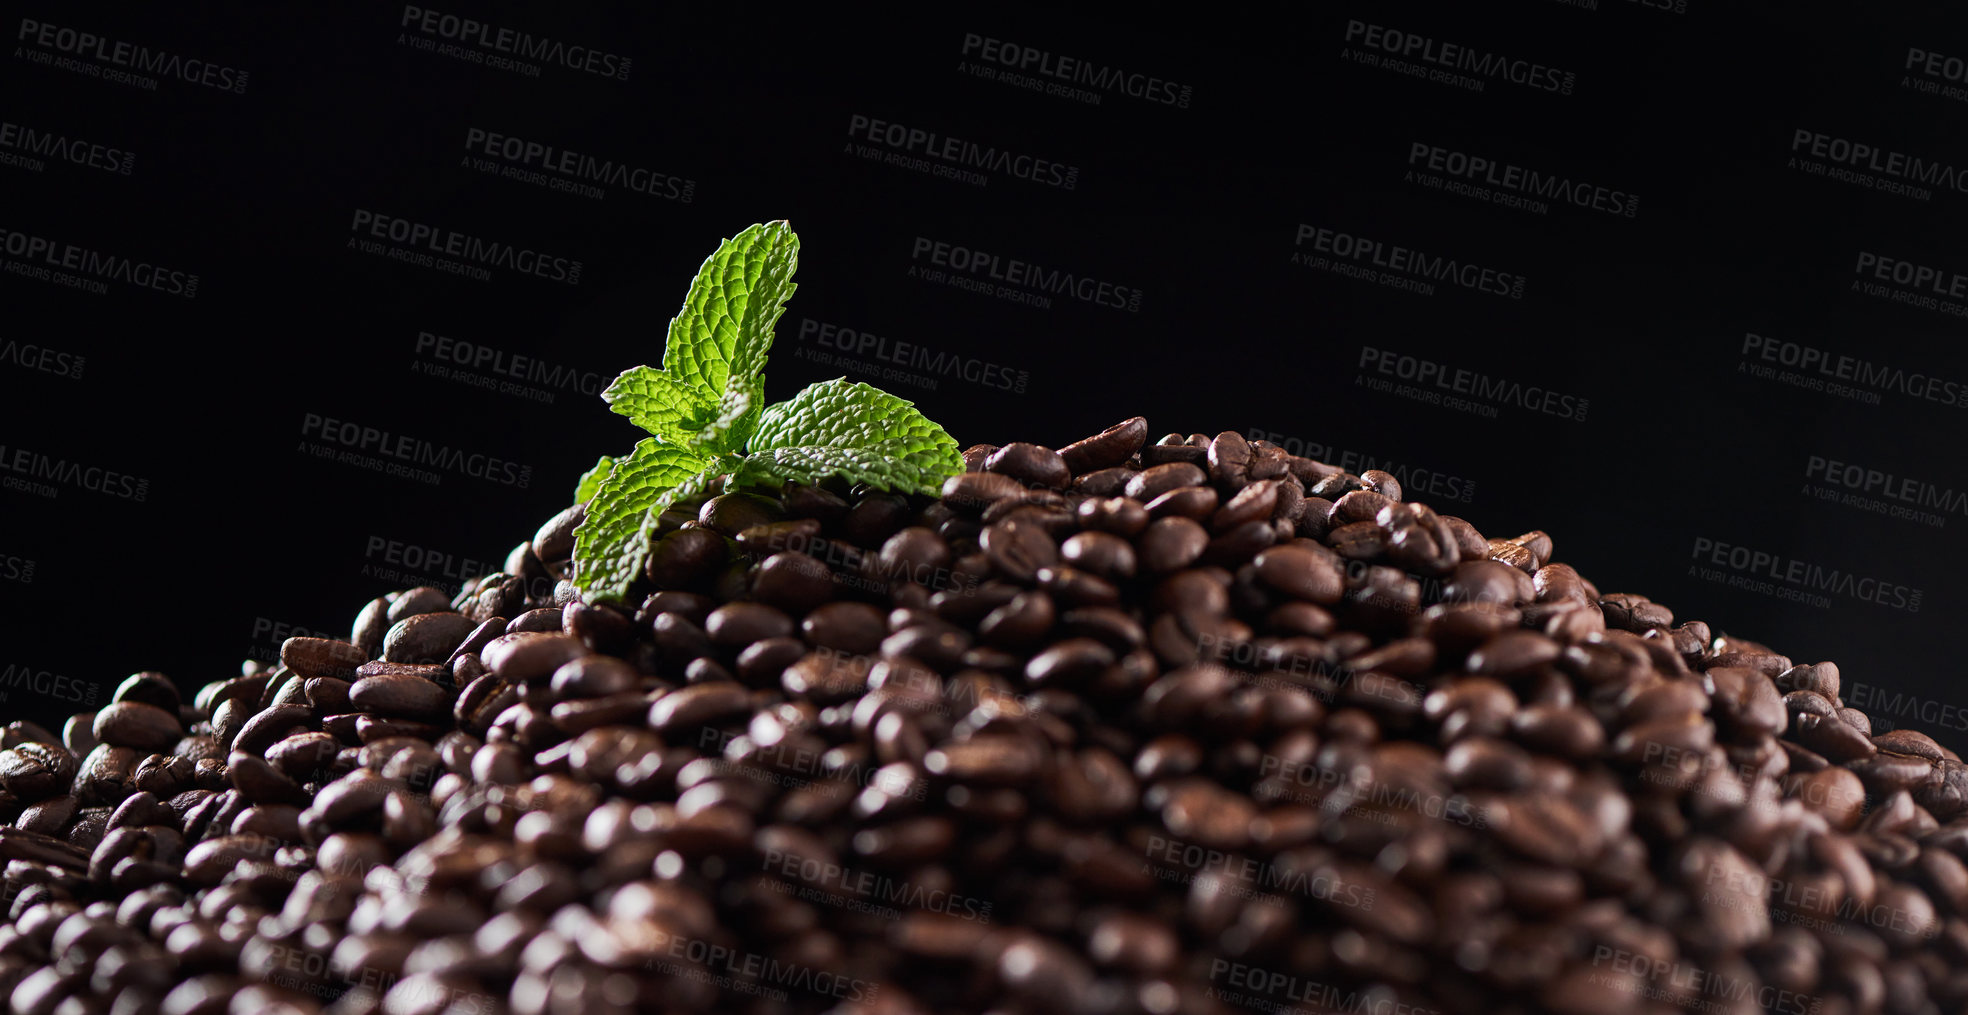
738 624
1302 572
1030 464
854 628
686 558
1094 751
401 695
37 771
1018 549
520 658
320 657
1160 479
148 689
1170 544
146 728
370 626
1109 448
425 638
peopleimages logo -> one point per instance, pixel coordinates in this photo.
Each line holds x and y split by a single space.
507 42
1432 377
30 471
1069 77
545 165
117 61
953 157
91 270
1821 370
1396 266
1413 479
421 244
40 358
1801 580
407 451
1862 163
910 356
1898 280
1452 63
26 147
1882 492
1513 186
1931 73
1024 281
483 366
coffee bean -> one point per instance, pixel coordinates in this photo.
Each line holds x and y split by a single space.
1170 544
690 707
320 657
735 624
36 771
420 600
1104 483
1258 711
1109 448
793 582
144 688
146 728
521 658
401 695
425 638
1160 479
1030 464
591 676
1197 502
1017 549
1301 572
854 628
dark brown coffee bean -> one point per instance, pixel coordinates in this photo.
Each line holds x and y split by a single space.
1513 652
1160 479
546 618
146 688
425 638
1301 572
687 708
1831 737
1030 464
1109 448
400 695
145 728
521 658
367 633
1104 483
1018 549
1197 502
854 628
1170 544
972 492
1358 540
686 558
739 624
37 771
320 657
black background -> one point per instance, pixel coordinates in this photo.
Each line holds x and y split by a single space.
242 537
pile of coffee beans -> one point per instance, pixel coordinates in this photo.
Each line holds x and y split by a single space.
1187 727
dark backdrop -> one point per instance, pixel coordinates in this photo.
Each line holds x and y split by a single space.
174 502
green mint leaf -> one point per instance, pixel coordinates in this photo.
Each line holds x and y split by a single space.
725 326
737 417
856 431
659 403
591 480
612 543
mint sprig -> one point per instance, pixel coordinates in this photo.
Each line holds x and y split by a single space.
706 415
